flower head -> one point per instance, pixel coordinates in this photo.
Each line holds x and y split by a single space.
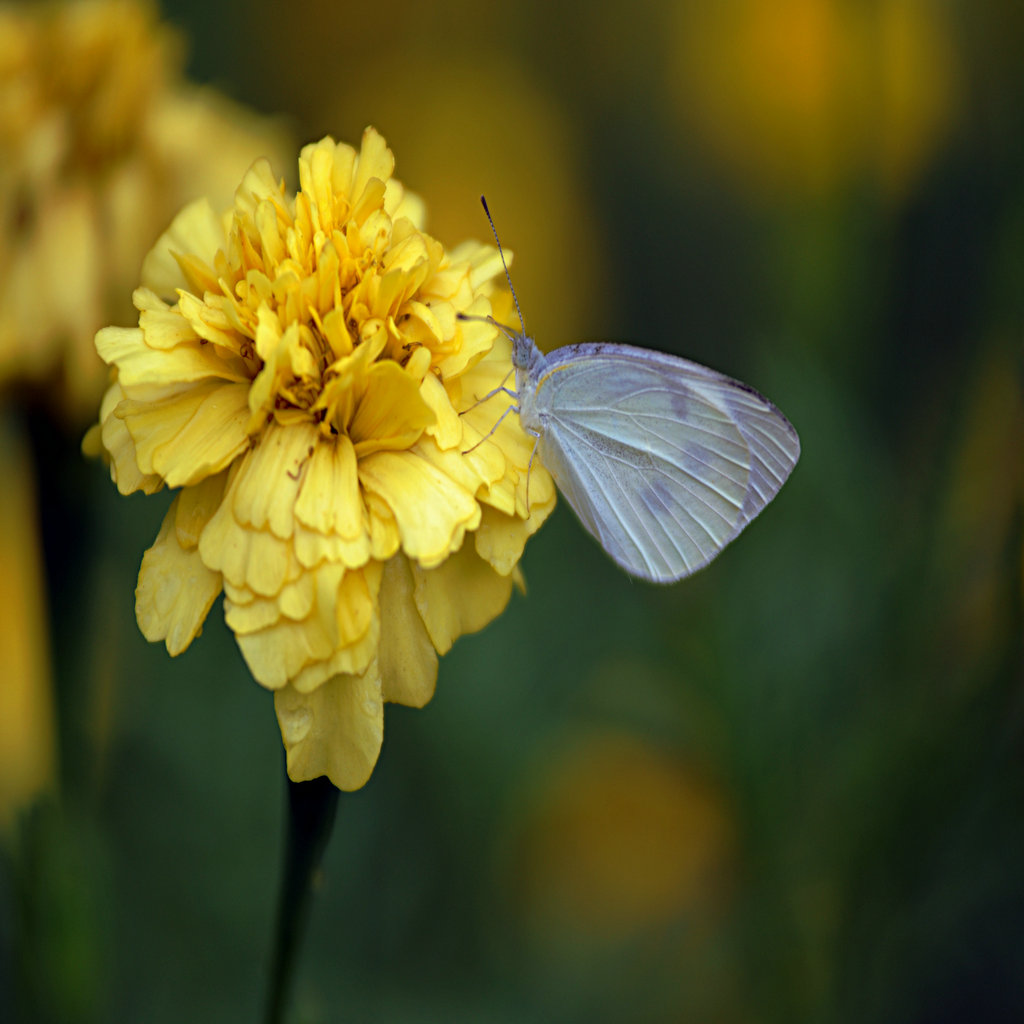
301 374
102 143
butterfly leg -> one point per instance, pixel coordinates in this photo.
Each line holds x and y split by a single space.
511 408
499 390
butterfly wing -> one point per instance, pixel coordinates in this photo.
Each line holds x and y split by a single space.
663 460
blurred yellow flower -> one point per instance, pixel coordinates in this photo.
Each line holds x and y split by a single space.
28 754
980 512
621 839
102 143
299 371
809 95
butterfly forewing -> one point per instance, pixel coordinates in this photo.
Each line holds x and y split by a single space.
663 460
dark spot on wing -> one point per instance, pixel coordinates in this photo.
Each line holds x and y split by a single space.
680 404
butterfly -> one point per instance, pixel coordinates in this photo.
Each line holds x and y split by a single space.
663 460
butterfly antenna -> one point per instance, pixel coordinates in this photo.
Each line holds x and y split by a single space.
508 276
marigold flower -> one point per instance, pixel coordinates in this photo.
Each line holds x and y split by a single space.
103 142
300 372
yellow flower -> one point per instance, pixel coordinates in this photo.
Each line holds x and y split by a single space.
102 143
299 371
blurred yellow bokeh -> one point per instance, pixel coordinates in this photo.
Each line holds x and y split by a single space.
620 838
103 141
27 743
809 96
984 496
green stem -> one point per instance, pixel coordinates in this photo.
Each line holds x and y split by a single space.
311 810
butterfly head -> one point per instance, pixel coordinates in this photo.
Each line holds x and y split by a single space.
526 356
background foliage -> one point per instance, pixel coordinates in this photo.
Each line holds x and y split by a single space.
789 789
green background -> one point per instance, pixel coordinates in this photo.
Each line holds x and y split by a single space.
830 716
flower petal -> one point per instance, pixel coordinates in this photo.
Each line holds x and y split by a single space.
196 507
193 433
137 363
198 231
268 481
335 731
446 429
175 590
339 634
375 162
119 445
391 413
408 664
501 538
331 519
432 511
162 326
254 559
460 596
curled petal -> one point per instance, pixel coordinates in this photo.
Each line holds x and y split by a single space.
336 730
120 446
432 511
191 433
162 326
175 590
198 231
460 596
391 414
338 633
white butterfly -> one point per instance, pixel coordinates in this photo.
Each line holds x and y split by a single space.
663 460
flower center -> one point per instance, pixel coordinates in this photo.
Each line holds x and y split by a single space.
326 320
